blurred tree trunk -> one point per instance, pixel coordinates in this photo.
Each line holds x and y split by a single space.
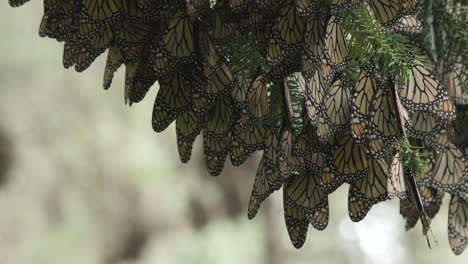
6 155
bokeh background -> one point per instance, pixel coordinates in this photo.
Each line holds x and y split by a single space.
84 179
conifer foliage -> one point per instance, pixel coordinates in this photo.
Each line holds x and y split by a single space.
371 93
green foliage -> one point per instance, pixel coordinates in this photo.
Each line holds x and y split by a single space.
444 37
297 98
371 43
245 58
412 157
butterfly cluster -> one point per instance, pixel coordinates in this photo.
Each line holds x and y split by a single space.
331 92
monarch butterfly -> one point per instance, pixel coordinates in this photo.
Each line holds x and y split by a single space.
288 163
369 190
459 125
408 25
69 54
289 26
188 126
302 194
257 99
102 10
383 120
315 95
173 99
261 42
446 109
148 8
431 199
58 27
378 144
420 92
377 148
329 180
267 180
441 139
50 27
288 61
60 20
256 18
275 52
314 162
247 139
396 185
302 145
272 147
130 71
178 38
457 244
200 101
166 12
458 224
387 12
50 6
245 142
328 73
296 224
410 7
424 178
349 160
364 91
16 3
163 63
314 37
92 41
134 13
335 113
114 60
143 79
261 28
249 135
308 147
223 30
409 211
239 90
307 141
423 125
338 5
44 27
131 38
217 135
200 7
268 5
454 80
211 58
219 77
309 66
336 49
305 7
239 6
240 151
449 169
218 83
279 72
210 87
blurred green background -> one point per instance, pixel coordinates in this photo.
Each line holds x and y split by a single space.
90 182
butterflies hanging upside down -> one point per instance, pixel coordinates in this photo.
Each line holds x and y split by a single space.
320 113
